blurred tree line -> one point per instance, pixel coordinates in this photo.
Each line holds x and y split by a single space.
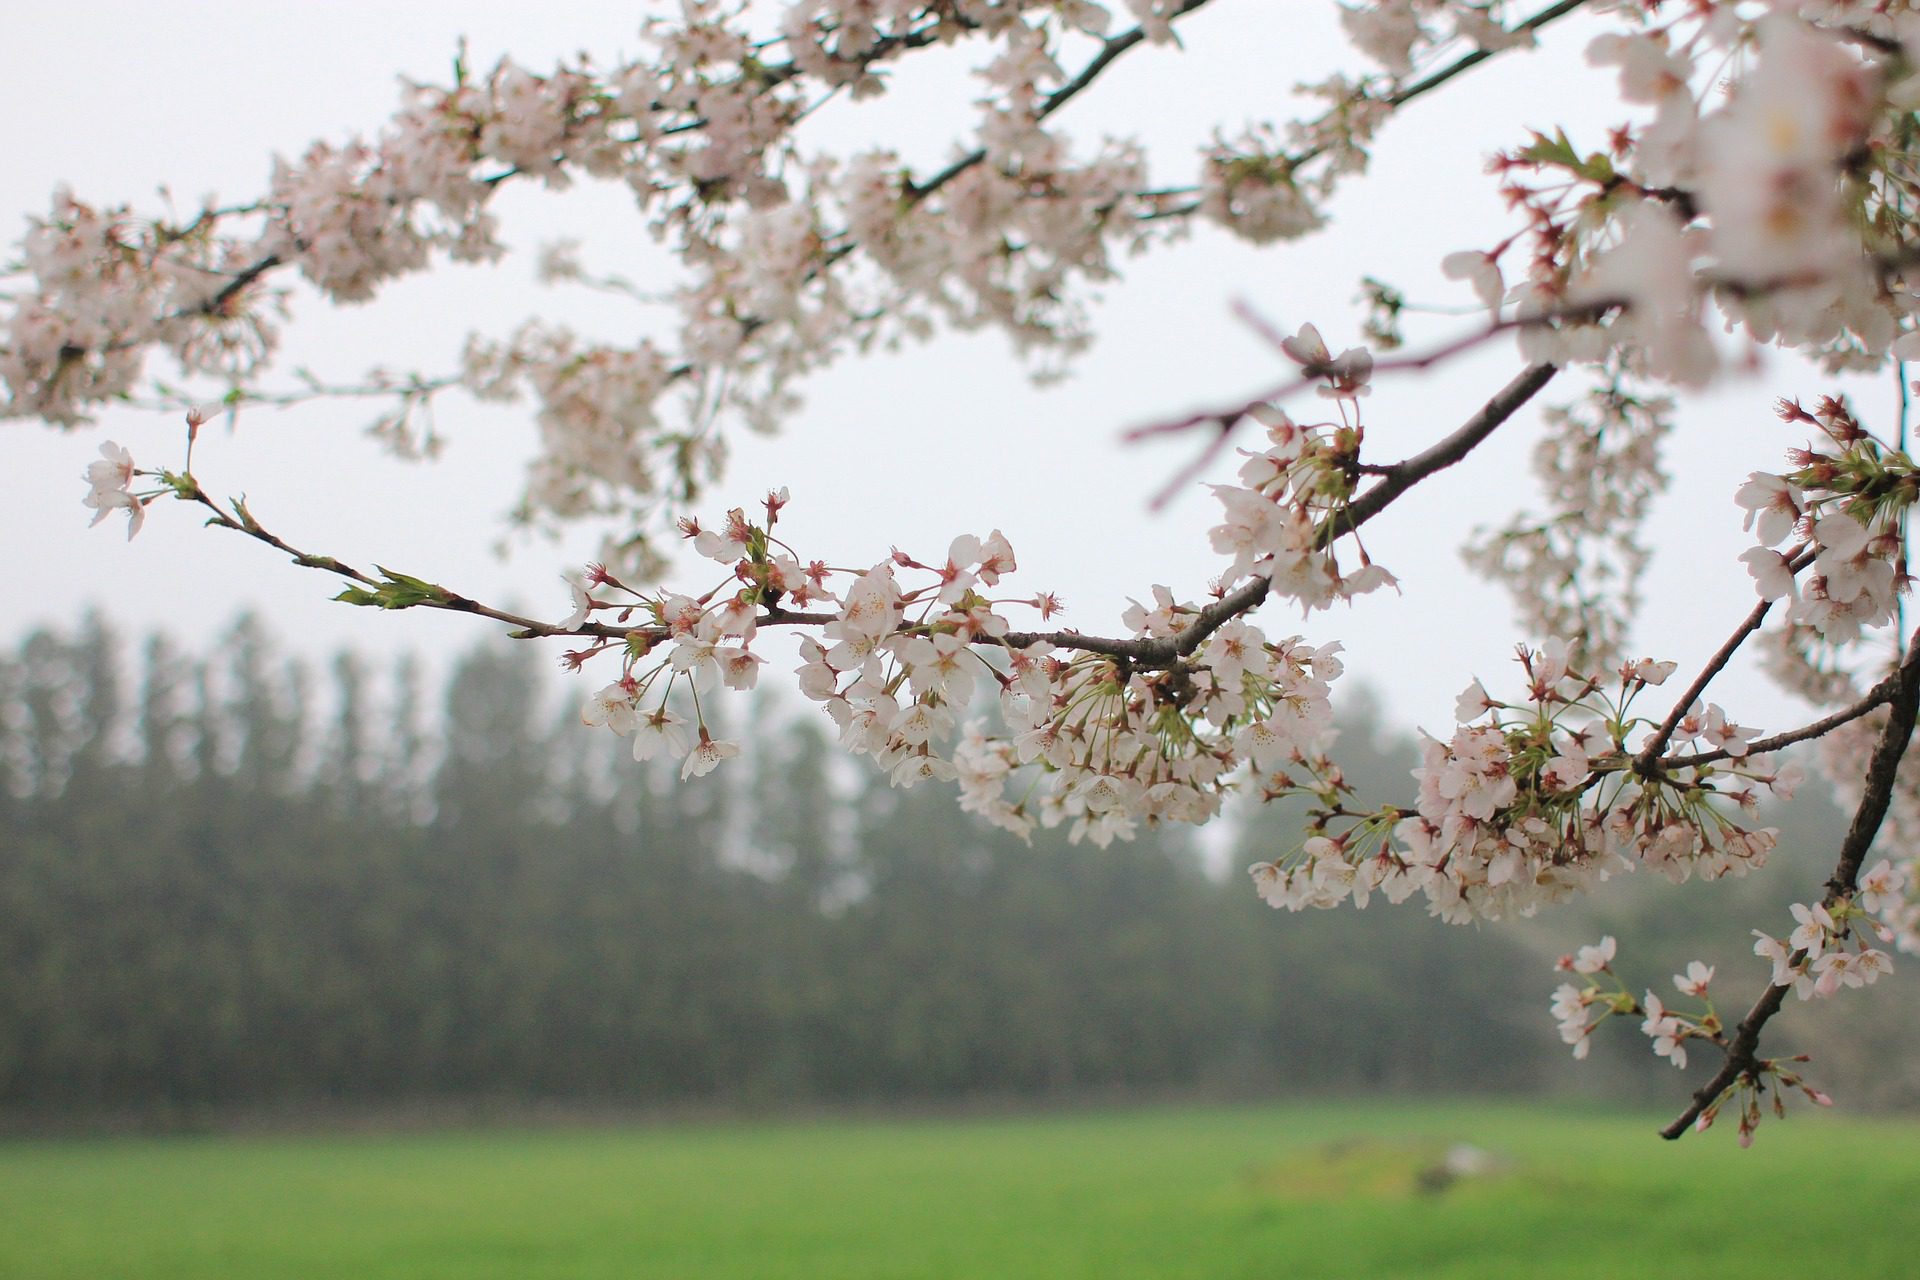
227 881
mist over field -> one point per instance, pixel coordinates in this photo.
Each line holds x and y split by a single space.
235 884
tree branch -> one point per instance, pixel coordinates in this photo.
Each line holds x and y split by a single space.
1403 476
240 520
1552 13
1142 651
1393 101
1109 51
1225 418
915 193
1394 481
1742 1060
1876 696
1719 660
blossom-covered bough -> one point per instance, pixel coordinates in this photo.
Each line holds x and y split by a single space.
1763 193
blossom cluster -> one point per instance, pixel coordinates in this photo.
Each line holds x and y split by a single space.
1278 519
110 488
1101 736
1815 960
1765 176
1847 502
792 258
1528 803
909 650
1580 1007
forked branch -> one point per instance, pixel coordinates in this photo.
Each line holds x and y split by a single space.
1743 1061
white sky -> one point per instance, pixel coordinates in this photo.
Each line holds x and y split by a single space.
907 449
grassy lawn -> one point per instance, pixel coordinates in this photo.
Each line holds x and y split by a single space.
1328 1190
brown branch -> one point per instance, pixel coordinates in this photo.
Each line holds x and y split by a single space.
1715 664
1590 310
1152 652
1876 696
1552 13
232 288
240 520
1164 651
1404 475
915 193
1742 1059
1224 418
1712 668
776 616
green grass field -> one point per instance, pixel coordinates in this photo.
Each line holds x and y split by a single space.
1329 1190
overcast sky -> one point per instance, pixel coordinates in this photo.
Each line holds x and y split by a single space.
904 449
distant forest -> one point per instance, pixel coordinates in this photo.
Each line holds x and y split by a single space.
228 882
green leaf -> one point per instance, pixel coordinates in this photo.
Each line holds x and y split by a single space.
1556 151
399 591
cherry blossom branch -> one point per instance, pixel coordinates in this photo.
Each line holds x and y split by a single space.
1396 479
1110 50
429 595
401 591
1875 697
1392 102
1546 17
769 78
917 192
1147 652
1225 418
212 305
882 49
1742 1060
230 290
1401 476
1715 664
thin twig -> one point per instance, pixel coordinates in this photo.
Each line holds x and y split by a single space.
1653 746
1393 101
240 520
1550 14
1876 696
1109 50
